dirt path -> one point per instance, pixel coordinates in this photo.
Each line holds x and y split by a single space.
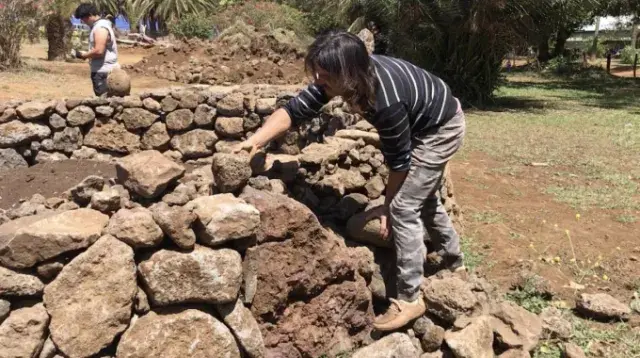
41 79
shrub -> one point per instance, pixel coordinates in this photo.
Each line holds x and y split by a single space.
192 26
263 15
628 55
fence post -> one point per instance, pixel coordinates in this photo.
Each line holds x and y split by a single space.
635 65
608 62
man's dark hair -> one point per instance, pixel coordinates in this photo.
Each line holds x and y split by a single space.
345 57
86 10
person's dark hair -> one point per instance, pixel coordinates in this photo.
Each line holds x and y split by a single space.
345 57
85 10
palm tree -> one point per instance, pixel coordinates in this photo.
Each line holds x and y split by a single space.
58 28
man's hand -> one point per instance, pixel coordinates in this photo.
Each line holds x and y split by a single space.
77 54
382 213
247 146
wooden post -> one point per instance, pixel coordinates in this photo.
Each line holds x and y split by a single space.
635 65
608 62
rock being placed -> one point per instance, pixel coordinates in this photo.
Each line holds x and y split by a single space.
200 276
602 306
186 333
148 173
48 235
90 301
223 218
23 333
231 171
176 222
474 341
18 284
135 227
244 327
396 345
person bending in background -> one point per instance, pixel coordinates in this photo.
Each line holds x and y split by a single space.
103 49
421 126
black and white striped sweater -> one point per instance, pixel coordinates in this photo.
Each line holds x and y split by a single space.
409 101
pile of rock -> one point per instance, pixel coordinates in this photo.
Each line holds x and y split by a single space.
163 262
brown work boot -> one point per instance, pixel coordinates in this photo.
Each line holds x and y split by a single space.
399 314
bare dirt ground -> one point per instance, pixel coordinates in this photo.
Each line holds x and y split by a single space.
574 220
41 79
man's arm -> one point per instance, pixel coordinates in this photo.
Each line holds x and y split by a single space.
100 37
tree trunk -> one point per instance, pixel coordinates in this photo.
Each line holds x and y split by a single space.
594 46
561 40
543 49
57 33
635 31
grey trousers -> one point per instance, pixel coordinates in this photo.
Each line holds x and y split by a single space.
417 207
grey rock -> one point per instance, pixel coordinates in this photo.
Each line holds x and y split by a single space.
106 201
137 118
244 327
15 133
230 127
31 111
105 111
204 115
46 157
67 140
156 137
151 105
230 171
474 341
81 116
113 137
10 159
195 144
56 121
83 192
49 270
176 223
179 120
131 102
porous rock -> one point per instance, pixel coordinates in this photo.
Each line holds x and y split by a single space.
23 333
176 223
113 137
15 284
474 341
135 227
244 327
148 173
230 171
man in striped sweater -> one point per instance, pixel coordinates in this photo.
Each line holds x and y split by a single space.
421 126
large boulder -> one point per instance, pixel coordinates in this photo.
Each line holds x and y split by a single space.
602 306
244 327
80 116
137 118
148 173
23 333
11 159
118 83
15 133
27 241
396 345
178 333
222 218
113 137
474 341
13 283
195 144
135 227
449 298
90 301
230 171
366 231
200 276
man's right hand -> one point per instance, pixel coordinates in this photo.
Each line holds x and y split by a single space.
382 213
247 146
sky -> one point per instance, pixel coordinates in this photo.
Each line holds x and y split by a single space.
121 22
607 23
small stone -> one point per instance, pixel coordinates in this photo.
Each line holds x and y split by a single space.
132 102
230 171
433 338
151 105
394 345
14 284
179 120
204 115
104 111
83 192
23 333
8 115
222 218
571 350
49 270
80 116
135 227
148 173
176 223
474 341
106 201
230 127
375 187
169 104
602 306
202 275
244 327
137 118
141 303
56 121
156 137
